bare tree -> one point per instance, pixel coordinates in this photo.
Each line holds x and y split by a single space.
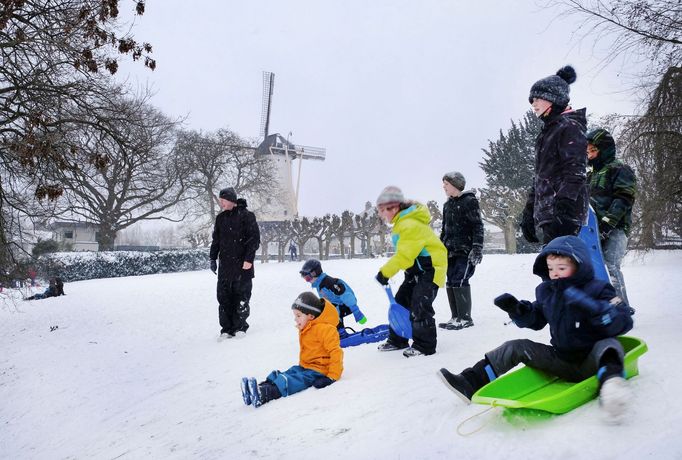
127 180
644 30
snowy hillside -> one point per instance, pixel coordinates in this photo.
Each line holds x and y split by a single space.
134 371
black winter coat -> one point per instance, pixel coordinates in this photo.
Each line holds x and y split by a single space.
236 239
560 167
573 330
462 225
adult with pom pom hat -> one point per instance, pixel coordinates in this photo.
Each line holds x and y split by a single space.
557 202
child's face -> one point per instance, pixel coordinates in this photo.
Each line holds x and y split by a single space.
592 152
388 211
540 106
301 319
450 190
560 267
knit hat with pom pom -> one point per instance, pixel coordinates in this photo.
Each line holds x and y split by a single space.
555 87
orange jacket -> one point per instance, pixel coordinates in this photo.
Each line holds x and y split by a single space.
320 344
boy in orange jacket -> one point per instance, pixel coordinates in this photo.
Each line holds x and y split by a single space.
320 359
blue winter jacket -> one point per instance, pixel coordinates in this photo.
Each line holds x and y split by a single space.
336 291
574 329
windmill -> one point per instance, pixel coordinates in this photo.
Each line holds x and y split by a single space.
282 153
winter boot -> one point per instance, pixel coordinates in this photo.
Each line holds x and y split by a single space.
390 346
409 352
463 296
453 309
263 392
246 394
614 393
467 383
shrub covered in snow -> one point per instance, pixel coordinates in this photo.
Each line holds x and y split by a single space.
76 266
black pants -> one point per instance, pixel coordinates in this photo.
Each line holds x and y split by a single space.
544 357
459 270
549 232
233 309
417 294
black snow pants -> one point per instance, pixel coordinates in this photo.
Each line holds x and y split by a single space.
233 300
417 294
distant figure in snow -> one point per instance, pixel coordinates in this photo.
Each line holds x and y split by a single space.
55 289
320 358
584 316
293 251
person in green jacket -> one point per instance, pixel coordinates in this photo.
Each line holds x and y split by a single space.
613 187
422 256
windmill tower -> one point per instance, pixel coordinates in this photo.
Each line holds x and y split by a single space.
283 205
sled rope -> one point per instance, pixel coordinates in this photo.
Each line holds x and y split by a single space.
468 419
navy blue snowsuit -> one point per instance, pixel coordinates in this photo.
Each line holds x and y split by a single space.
579 335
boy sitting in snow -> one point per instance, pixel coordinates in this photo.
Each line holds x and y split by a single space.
55 289
584 316
320 358
335 290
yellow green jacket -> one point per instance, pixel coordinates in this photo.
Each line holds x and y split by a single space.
416 245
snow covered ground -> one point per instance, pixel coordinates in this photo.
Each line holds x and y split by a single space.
134 371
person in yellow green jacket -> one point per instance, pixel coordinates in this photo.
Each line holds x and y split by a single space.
320 359
422 256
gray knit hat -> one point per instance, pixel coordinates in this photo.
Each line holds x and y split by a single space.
390 194
456 179
308 303
554 88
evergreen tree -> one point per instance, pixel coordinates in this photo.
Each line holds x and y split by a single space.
509 168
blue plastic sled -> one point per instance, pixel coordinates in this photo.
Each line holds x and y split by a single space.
398 316
367 335
589 233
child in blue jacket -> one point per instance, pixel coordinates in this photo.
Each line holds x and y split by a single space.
335 290
584 316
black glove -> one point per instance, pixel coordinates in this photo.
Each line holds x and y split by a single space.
322 382
605 230
381 279
214 266
528 225
476 255
511 304
565 215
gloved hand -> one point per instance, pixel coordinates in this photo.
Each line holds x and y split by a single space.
322 382
564 215
214 266
381 279
577 298
476 255
605 229
359 317
511 304
528 225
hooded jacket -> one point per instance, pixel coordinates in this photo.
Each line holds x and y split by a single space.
236 239
336 291
462 225
613 187
560 167
320 344
417 248
573 330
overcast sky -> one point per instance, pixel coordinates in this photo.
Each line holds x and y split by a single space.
398 92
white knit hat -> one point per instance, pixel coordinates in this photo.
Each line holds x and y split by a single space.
390 194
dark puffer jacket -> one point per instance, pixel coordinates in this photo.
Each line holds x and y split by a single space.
573 330
613 187
560 167
462 225
236 239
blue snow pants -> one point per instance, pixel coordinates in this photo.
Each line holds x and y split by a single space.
293 380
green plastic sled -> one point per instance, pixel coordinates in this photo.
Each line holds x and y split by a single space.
528 388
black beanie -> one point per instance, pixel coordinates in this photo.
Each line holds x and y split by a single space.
308 303
554 88
228 194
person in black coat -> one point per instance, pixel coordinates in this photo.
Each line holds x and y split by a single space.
584 316
558 199
462 235
236 239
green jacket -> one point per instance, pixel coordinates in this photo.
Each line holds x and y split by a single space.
613 187
416 245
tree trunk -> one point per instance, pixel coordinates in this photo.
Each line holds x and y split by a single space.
106 239
510 236
342 247
352 247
